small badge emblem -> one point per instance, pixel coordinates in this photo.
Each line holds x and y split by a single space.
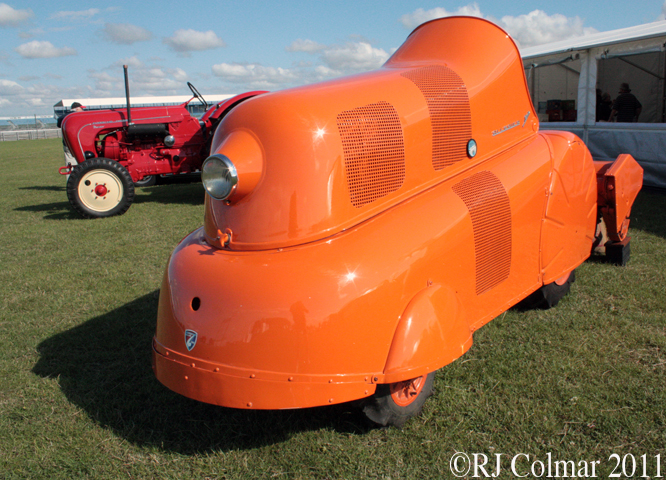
190 339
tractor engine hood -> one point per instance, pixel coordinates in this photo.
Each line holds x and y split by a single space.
81 128
316 160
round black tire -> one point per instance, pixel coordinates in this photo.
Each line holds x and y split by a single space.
100 187
385 409
147 181
549 295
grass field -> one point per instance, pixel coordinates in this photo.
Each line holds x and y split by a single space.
78 399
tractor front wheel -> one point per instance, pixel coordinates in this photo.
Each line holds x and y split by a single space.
395 403
100 187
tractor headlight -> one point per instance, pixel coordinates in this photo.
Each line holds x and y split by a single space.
219 176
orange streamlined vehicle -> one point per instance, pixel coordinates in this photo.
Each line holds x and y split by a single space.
358 231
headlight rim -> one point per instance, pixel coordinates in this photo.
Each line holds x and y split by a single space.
231 169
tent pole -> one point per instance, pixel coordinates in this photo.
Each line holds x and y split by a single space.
663 89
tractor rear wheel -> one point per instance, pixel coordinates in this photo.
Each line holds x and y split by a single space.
100 187
395 403
147 181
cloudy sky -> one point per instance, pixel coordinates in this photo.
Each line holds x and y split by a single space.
76 49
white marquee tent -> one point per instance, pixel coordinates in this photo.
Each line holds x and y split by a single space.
573 70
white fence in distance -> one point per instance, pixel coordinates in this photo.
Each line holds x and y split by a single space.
41 134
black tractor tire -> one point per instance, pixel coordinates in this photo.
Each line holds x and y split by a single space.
147 181
549 295
385 408
100 187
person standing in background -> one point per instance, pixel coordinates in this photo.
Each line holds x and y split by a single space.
626 107
69 158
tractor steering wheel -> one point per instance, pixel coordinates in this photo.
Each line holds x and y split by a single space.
196 93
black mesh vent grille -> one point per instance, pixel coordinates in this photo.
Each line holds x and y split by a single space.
490 210
448 104
374 151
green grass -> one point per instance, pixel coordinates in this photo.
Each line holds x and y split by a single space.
78 398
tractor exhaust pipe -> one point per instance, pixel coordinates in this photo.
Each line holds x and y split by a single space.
129 113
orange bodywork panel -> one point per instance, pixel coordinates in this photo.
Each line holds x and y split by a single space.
571 210
378 221
618 184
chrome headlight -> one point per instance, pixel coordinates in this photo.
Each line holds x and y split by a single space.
219 176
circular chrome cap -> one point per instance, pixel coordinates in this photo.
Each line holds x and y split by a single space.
169 140
471 148
219 176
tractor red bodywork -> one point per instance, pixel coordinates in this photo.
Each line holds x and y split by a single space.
140 147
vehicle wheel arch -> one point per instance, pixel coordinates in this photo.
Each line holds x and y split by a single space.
432 332
570 215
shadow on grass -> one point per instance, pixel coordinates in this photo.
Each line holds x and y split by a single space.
53 211
180 192
45 188
104 367
649 212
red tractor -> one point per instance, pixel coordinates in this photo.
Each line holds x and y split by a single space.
113 150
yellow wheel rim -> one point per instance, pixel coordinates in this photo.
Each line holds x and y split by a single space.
100 190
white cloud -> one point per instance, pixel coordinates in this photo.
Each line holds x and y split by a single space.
36 98
35 102
107 83
307 46
10 17
125 33
37 49
131 62
8 87
75 16
144 80
534 28
354 57
191 40
419 16
323 71
160 80
333 61
336 60
255 75
537 28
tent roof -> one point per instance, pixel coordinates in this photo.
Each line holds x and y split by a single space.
639 32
